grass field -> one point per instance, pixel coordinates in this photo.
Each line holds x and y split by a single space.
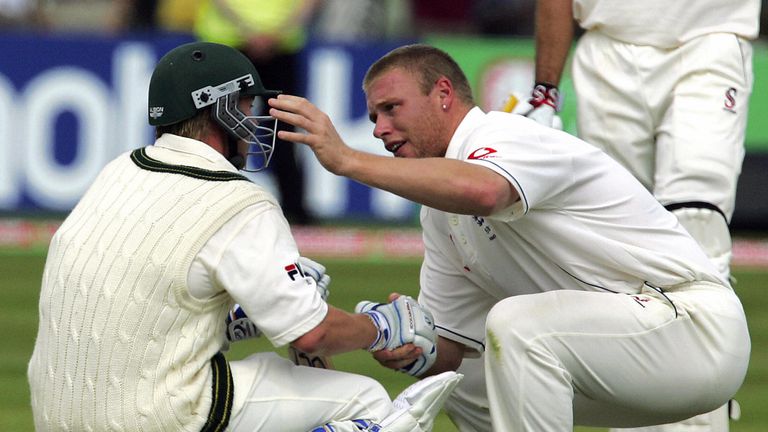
20 273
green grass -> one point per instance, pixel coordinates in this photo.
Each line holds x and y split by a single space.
20 274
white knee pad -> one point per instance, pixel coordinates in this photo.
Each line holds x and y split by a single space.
710 230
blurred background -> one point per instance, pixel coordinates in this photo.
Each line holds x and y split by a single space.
73 84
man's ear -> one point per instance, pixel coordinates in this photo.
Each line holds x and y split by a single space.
444 89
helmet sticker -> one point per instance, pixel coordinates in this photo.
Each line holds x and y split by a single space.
156 112
208 95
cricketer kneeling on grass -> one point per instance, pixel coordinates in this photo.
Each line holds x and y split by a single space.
588 301
142 275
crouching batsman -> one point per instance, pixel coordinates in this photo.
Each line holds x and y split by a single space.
142 278
561 289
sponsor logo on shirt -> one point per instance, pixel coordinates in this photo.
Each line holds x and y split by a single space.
294 270
485 227
482 153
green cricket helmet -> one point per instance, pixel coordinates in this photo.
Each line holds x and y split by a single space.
196 75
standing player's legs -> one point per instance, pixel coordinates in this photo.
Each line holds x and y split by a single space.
272 394
700 144
676 119
611 104
598 359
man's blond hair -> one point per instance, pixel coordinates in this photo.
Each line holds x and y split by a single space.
427 63
196 127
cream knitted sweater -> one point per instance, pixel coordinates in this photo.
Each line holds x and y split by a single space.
122 345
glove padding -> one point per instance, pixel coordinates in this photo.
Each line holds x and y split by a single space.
542 106
400 322
240 327
316 271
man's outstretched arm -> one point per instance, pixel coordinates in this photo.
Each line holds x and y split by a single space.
445 184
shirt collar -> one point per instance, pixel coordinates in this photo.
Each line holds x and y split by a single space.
190 152
467 125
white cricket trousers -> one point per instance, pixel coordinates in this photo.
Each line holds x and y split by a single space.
567 357
676 118
273 394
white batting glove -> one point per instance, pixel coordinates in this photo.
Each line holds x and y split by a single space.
316 271
542 106
400 322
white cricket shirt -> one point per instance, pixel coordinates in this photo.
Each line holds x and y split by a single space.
252 257
582 223
667 24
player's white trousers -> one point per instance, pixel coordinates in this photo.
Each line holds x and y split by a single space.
676 118
272 394
600 359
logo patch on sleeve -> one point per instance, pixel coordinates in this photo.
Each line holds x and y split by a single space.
294 270
482 153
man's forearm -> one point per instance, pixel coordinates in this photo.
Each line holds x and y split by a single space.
445 184
339 332
554 35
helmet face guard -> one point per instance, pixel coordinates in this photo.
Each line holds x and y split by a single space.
197 75
259 131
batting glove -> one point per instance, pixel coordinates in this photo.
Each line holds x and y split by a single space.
356 425
400 322
542 106
316 271
239 327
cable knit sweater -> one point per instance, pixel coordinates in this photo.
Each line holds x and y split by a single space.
122 345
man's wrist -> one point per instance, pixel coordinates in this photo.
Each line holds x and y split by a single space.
381 327
545 93
546 84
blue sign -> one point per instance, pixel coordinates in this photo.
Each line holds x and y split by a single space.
70 104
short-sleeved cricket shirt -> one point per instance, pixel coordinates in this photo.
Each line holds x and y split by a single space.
582 222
